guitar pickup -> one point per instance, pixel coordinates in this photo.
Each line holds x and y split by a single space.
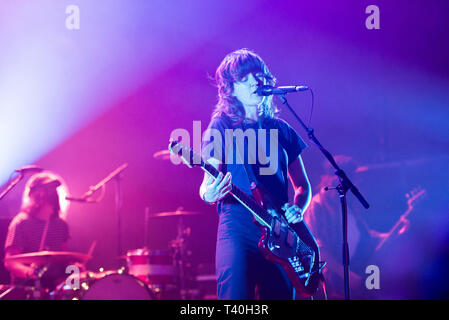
276 227
290 239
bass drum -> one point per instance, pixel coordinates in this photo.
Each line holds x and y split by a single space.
113 286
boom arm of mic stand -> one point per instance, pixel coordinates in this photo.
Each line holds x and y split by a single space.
345 181
11 185
86 197
112 175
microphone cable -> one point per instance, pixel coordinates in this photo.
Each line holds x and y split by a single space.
311 109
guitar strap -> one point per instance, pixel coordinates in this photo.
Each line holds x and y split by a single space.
250 174
239 154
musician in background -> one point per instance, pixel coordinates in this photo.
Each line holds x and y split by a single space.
37 226
242 271
325 220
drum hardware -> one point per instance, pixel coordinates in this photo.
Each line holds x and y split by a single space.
37 291
87 198
148 274
206 281
107 285
155 268
43 258
42 262
164 271
38 274
22 292
178 212
180 255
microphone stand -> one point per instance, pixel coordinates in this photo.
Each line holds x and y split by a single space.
342 188
116 174
11 185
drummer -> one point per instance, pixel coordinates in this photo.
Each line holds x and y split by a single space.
37 226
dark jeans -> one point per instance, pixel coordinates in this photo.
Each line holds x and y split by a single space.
244 274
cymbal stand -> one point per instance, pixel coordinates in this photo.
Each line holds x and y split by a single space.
11 185
87 198
39 273
179 257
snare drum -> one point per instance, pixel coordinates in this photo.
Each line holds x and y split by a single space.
154 267
105 286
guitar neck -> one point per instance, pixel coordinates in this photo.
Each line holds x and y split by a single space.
259 212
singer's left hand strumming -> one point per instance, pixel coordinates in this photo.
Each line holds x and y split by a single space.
293 213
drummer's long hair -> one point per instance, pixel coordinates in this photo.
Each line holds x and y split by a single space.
233 68
45 186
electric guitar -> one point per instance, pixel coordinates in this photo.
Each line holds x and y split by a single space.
280 242
403 223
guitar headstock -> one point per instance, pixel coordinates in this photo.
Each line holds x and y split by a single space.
187 155
414 195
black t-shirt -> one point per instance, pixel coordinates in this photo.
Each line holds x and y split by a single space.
271 171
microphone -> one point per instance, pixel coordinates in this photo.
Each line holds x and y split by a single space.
269 90
30 168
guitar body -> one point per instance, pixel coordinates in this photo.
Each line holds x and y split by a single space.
290 262
282 244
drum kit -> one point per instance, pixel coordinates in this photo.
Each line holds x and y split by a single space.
147 274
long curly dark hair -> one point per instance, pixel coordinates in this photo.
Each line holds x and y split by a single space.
234 67
45 185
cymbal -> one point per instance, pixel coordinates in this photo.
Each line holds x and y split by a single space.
163 155
47 257
175 213
135 252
